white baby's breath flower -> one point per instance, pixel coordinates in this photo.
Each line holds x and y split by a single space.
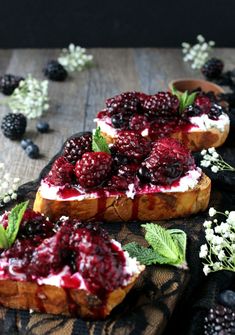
8 185
216 266
221 255
197 54
211 150
205 163
30 98
207 224
203 251
203 152
206 269
212 212
231 217
214 169
75 58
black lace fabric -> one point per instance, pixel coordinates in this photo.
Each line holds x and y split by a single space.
165 300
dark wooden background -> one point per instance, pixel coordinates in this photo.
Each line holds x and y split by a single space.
75 102
120 23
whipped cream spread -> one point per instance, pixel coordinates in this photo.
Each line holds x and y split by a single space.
132 267
185 183
203 122
199 123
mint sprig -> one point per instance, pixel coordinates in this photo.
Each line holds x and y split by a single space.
99 143
8 235
186 99
166 246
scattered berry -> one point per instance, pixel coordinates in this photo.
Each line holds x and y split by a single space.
14 125
25 142
8 83
213 68
227 299
55 71
75 147
132 145
32 150
43 126
128 101
220 320
138 122
168 161
93 168
62 172
118 183
162 103
203 102
215 112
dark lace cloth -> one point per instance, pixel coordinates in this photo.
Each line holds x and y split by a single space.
148 308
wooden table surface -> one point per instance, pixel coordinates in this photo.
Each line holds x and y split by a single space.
75 102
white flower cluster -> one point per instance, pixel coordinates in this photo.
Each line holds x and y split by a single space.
219 252
215 161
198 53
75 58
8 185
30 98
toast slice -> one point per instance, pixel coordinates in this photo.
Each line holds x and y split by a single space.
120 207
65 268
200 125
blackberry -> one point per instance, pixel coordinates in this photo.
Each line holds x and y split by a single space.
128 101
55 71
75 147
61 173
220 320
8 83
138 122
132 145
213 68
13 125
93 168
43 127
160 104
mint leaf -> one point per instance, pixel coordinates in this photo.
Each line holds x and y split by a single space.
3 238
191 99
161 241
14 220
185 98
180 239
146 256
99 143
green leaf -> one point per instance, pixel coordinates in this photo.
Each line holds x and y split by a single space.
14 220
161 241
146 256
3 238
180 239
191 99
99 143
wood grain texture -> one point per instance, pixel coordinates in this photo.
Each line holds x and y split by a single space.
74 103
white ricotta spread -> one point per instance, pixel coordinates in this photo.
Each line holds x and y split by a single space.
204 123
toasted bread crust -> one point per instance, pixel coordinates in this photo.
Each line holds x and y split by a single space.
194 140
56 300
155 206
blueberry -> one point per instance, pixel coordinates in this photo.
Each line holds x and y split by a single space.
119 120
42 126
32 151
227 298
25 142
144 174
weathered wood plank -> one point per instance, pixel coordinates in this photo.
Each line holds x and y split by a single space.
75 102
